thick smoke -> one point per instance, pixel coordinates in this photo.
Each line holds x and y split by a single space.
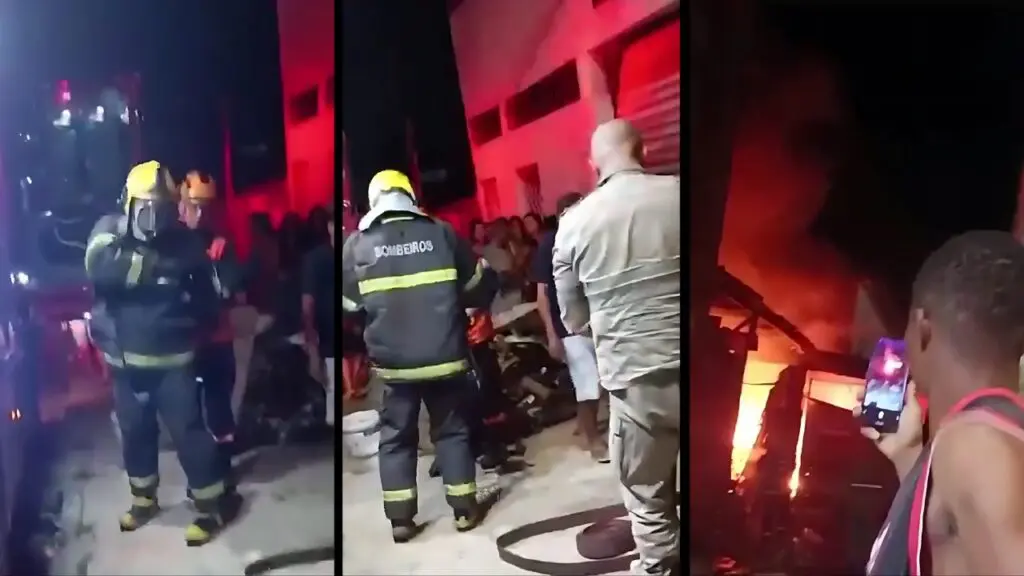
783 159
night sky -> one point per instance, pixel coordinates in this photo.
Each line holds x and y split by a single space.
936 99
400 71
194 56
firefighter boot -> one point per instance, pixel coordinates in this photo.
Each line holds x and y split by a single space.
144 506
468 519
404 530
213 514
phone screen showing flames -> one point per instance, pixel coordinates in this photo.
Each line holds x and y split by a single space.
886 383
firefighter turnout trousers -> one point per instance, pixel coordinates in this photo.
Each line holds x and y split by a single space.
445 400
142 393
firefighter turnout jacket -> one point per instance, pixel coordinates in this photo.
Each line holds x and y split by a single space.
413 278
153 300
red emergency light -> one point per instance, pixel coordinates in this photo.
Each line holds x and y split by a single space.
63 92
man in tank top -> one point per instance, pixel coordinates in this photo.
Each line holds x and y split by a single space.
960 506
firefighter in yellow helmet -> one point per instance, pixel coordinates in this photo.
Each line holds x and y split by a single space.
413 278
215 358
155 296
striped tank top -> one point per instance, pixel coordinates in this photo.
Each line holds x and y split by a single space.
901 548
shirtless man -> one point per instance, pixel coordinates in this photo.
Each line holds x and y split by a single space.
960 506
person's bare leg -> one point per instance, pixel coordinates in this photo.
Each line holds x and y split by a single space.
599 404
582 362
586 423
586 420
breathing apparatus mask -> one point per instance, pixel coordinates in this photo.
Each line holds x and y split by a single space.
150 200
149 218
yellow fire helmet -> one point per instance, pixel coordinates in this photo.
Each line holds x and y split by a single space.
150 181
198 187
389 181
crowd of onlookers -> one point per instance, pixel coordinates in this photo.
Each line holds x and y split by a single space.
508 245
275 260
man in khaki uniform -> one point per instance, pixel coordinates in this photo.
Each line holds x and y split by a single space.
616 273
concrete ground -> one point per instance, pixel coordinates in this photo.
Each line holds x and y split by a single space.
289 495
563 480
290 503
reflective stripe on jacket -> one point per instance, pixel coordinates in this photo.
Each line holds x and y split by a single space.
410 275
153 301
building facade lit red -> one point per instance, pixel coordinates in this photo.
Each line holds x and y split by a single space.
306 32
537 77
527 70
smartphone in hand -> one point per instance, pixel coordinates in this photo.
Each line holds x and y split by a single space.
886 385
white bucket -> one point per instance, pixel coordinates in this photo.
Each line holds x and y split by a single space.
360 433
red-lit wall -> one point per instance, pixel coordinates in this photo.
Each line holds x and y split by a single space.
502 47
306 30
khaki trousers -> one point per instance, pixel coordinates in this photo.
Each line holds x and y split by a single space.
644 445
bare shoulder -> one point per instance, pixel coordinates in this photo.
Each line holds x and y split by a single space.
971 442
982 466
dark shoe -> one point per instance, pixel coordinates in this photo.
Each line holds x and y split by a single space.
403 531
142 511
213 517
435 470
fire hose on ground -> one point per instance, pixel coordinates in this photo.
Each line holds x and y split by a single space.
289 558
606 543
